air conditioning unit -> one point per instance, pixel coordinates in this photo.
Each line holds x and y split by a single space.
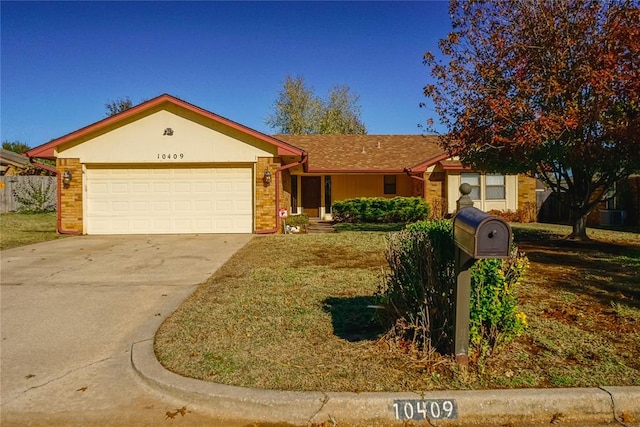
611 217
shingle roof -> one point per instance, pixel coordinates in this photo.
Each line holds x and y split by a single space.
366 153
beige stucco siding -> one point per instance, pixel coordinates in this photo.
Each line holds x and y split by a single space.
143 141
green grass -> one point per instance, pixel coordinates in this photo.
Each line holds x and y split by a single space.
290 312
24 229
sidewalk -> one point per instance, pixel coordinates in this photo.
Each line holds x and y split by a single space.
579 406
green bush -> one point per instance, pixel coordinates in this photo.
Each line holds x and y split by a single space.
299 220
380 210
417 294
35 195
418 291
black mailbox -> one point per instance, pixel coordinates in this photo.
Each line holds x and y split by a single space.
481 235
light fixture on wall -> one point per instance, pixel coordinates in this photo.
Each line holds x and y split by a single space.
267 177
66 178
168 132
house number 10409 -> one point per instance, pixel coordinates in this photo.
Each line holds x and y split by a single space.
432 409
175 156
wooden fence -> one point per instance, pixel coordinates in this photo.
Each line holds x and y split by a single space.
40 190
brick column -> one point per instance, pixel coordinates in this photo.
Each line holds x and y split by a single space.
70 209
266 194
527 197
434 194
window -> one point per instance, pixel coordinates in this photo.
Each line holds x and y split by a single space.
495 187
389 184
294 194
327 194
473 179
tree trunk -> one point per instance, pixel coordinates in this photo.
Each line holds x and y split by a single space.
579 227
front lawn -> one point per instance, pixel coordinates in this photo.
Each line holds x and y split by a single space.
290 313
24 229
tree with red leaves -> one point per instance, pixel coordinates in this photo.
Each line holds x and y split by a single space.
545 87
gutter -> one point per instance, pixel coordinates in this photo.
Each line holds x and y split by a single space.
277 184
416 177
409 172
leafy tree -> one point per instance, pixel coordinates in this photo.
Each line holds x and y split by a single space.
15 146
544 87
297 110
341 113
118 106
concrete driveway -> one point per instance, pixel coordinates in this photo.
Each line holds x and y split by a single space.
70 311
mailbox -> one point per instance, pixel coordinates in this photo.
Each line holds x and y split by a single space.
481 235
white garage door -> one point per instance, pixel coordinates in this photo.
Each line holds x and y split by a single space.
169 201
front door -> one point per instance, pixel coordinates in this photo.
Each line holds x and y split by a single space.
311 196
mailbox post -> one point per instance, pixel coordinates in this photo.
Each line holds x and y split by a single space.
476 235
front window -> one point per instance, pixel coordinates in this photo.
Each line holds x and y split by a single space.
495 187
389 184
473 179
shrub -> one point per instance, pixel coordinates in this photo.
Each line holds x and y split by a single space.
494 316
527 214
417 294
418 291
35 195
380 210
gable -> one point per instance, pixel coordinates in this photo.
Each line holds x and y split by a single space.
133 138
166 135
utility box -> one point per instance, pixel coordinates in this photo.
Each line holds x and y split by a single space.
481 235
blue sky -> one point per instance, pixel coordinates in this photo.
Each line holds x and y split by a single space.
62 61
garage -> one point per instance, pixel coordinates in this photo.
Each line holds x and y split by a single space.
166 166
142 200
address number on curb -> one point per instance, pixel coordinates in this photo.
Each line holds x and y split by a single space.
433 409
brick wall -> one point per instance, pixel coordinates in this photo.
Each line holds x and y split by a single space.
266 194
70 197
434 193
526 191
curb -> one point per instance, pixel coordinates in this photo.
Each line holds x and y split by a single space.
455 408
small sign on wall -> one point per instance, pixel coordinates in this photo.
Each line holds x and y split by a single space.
282 213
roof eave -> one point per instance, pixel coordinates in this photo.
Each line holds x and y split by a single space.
423 166
356 171
47 150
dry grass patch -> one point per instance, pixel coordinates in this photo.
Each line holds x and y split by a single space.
290 313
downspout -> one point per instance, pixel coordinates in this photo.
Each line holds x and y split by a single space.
409 172
419 179
277 184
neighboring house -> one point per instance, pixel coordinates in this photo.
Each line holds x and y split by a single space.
620 207
167 166
11 163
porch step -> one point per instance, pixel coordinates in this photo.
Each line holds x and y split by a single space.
320 227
